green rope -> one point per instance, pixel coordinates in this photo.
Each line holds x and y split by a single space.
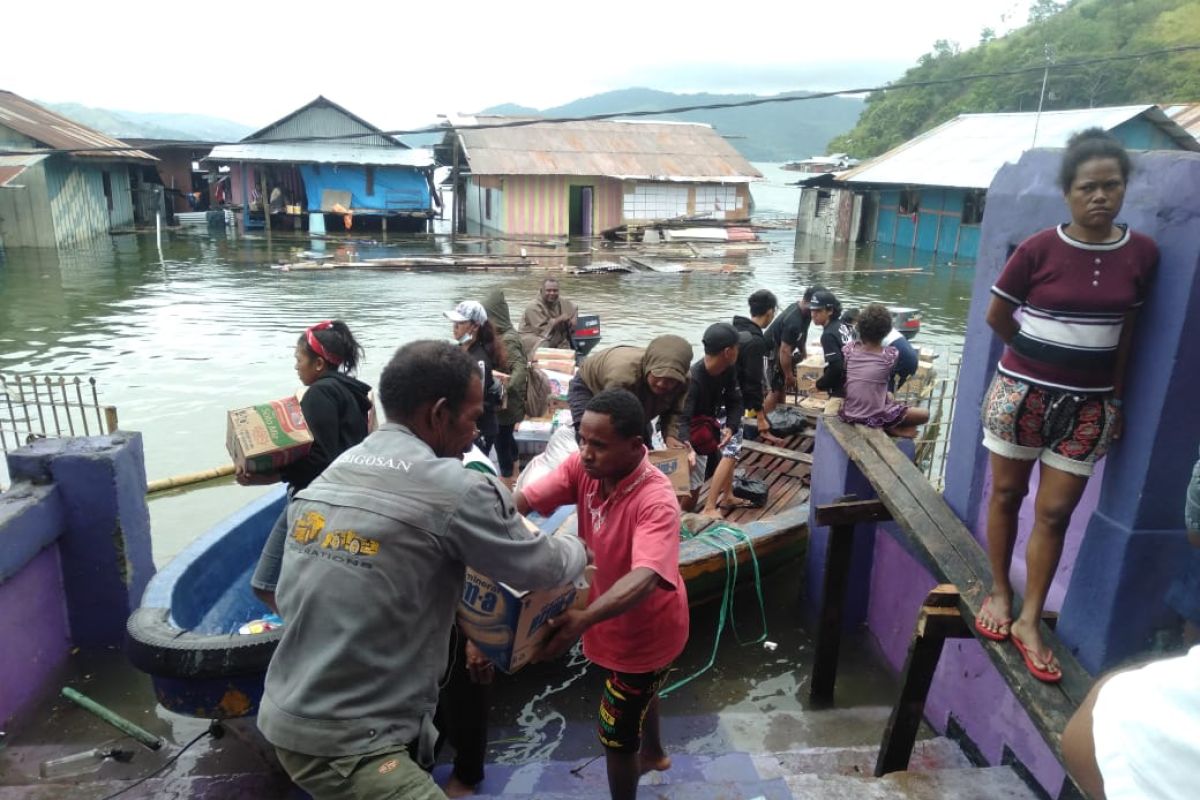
725 538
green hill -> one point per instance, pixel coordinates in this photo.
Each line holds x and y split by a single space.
153 124
773 132
1075 31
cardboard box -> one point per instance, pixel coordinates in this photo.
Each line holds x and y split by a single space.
507 625
554 354
267 437
674 464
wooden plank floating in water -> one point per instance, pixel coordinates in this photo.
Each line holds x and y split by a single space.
451 262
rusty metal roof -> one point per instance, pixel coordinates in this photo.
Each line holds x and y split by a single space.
12 166
1186 116
663 151
52 130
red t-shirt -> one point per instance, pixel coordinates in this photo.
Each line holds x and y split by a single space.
636 526
1073 297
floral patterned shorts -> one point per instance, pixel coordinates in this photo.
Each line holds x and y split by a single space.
1066 431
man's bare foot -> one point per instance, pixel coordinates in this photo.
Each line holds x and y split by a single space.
660 762
903 431
996 614
712 513
456 788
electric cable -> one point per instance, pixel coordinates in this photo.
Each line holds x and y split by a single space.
525 122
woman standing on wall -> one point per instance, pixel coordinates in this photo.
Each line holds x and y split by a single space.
512 411
1057 394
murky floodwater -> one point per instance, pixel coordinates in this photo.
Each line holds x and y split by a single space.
174 344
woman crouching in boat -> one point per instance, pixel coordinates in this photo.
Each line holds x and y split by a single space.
338 410
1056 397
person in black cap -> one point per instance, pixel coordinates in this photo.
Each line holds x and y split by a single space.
713 384
754 357
826 312
788 337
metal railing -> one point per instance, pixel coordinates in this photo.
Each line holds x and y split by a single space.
49 406
939 394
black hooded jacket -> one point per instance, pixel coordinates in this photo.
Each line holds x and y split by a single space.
335 409
751 363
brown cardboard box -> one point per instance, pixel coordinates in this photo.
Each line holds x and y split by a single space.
267 437
674 464
509 625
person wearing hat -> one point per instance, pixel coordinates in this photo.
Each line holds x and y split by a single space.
787 337
835 334
713 385
476 336
656 374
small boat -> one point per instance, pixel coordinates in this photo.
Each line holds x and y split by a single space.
185 634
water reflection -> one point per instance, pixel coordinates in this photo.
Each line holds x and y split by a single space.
177 342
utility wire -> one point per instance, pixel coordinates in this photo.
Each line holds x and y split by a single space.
758 101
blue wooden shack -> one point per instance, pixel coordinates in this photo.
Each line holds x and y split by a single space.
326 161
51 198
928 195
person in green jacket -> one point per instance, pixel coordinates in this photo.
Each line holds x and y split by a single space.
513 409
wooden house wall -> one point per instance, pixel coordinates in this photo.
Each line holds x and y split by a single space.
25 219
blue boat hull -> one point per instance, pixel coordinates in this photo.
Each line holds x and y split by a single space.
185 634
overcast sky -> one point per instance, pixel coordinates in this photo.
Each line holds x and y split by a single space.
400 63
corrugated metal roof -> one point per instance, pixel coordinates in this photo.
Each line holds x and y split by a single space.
1185 116
12 166
55 131
323 117
970 149
322 153
665 151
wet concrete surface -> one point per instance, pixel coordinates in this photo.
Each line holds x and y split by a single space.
753 700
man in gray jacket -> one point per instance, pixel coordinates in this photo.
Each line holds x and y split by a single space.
373 571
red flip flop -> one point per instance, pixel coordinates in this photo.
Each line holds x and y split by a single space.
995 636
1044 675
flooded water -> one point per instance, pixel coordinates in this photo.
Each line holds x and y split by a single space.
175 343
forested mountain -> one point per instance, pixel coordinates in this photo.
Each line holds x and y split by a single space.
771 132
1080 30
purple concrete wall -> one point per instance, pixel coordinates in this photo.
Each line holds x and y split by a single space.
76 555
33 628
105 547
1124 543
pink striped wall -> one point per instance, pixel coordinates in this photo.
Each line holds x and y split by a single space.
540 204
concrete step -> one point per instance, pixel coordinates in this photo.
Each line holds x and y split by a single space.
748 790
986 783
938 753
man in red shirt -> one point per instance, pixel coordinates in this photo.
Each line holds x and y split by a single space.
637 621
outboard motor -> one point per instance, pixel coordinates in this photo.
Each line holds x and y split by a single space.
586 334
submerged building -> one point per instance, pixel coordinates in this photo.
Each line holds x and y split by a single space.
321 160
55 199
581 178
928 193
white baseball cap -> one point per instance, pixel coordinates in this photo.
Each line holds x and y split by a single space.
467 311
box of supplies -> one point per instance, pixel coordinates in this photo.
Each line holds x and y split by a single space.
268 437
807 373
507 625
674 464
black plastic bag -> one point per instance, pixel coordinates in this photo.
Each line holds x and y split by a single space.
786 422
751 489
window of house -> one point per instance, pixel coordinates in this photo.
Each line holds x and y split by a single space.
910 201
370 181
649 201
973 203
823 199
487 203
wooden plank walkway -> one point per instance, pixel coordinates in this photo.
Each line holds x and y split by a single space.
955 557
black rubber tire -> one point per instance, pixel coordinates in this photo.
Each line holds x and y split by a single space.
157 647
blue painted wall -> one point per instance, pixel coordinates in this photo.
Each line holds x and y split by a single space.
395 188
944 205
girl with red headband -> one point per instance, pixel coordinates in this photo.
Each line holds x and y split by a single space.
338 409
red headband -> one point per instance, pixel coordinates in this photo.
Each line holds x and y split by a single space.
314 344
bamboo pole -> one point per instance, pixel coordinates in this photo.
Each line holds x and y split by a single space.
112 718
189 479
